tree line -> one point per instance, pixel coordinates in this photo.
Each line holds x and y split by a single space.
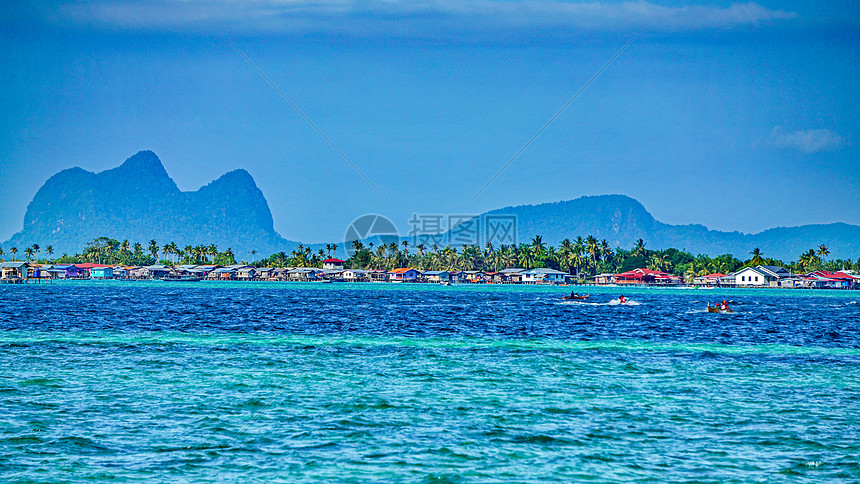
584 257
105 250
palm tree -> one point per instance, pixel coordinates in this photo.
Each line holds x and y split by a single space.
605 251
808 260
35 249
165 251
123 250
565 252
49 251
657 262
525 255
28 253
392 250
593 248
537 250
380 256
253 256
153 249
579 246
490 257
639 248
538 245
823 251
756 257
1 253
13 250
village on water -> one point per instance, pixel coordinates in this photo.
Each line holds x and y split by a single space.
211 265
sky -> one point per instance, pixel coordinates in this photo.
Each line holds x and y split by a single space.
736 115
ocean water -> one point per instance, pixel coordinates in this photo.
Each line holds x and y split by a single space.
267 382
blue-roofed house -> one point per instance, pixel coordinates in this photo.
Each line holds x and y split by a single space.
101 273
437 276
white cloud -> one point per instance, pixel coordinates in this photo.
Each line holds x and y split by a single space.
807 141
407 17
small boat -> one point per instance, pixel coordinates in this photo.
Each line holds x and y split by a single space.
714 309
576 297
444 283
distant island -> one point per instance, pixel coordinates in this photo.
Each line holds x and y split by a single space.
138 202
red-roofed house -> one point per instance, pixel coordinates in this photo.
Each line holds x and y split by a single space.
832 280
403 274
646 276
333 264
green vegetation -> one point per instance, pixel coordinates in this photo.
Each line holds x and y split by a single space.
582 256
105 250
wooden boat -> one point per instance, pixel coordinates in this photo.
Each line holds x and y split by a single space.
714 309
576 297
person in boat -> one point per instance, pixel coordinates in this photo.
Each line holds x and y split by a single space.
724 306
573 295
622 299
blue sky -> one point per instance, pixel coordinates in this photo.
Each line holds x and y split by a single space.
739 116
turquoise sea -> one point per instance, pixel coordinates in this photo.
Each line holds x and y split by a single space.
284 382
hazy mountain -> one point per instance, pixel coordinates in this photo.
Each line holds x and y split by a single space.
138 201
621 220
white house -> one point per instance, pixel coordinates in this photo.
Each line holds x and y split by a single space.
604 278
333 264
760 276
551 276
13 270
354 275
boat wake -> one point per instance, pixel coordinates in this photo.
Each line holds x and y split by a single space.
629 302
613 302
